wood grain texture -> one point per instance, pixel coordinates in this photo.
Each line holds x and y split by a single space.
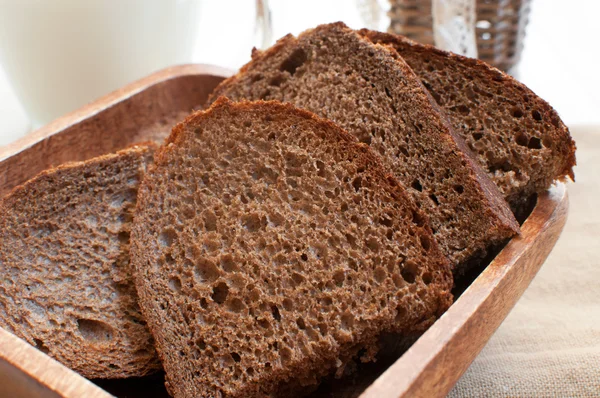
429 368
26 372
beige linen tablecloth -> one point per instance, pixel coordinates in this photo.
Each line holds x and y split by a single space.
549 345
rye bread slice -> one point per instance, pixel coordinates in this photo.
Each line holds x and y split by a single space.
270 247
517 137
66 284
369 91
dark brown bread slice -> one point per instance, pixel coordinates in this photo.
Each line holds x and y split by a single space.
375 96
270 247
66 284
517 136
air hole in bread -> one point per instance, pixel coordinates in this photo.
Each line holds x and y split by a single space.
386 221
206 270
323 330
236 357
387 92
263 323
256 77
389 234
522 139
95 331
201 344
39 344
534 143
463 109
167 237
228 264
275 312
402 150
123 237
252 222
210 221
347 321
220 293
398 281
416 184
297 279
296 59
536 115
288 305
373 244
427 277
459 188
401 313
236 305
434 199
517 112
418 219
300 323
339 277
175 284
321 168
503 166
425 242
409 271
198 132
277 80
380 274
357 183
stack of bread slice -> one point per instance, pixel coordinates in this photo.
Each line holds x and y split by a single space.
325 198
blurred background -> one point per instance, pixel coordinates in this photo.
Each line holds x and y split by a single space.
59 55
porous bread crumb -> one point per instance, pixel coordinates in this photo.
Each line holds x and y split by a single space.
66 284
270 248
517 137
374 95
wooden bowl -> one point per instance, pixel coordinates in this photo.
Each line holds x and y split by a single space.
429 368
